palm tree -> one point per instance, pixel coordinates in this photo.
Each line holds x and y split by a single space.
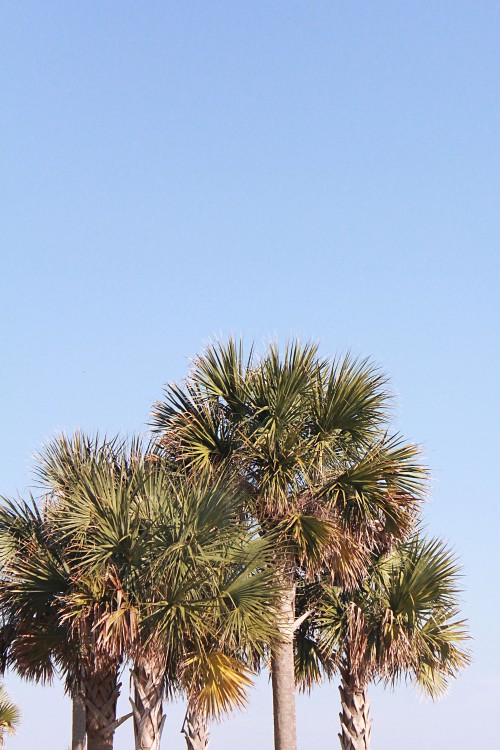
32 639
182 573
403 621
40 641
309 440
10 716
42 580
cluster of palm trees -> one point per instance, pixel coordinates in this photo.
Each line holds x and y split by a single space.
272 522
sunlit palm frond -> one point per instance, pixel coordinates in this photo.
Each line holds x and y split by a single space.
193 428
61 462
10 715
220 373
428 577
249 592
444 655
20 524
292 423
387 484
277 467
349 398
217 683
279 387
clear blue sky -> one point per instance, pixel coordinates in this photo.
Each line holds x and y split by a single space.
176 170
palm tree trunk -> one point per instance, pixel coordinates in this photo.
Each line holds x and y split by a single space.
101 695
355 716
147 705
195 729
79 721
283 675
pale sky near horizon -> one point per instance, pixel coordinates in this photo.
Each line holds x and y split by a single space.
173 171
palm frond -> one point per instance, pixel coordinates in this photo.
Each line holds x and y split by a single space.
387 484
313 538
350 398
217 683
220 374
10 715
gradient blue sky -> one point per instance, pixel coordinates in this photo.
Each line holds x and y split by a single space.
173 171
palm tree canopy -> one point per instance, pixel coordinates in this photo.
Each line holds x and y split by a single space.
181 568
403 621
35 576
310 440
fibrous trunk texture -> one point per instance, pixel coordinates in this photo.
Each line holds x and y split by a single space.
147 705
78 729
355 716
195 729
283 674
101 693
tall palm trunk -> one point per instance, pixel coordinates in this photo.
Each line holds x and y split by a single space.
101 693
355 716
195 729
283 674
147 705
79 723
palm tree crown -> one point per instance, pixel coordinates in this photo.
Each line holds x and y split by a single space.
403 622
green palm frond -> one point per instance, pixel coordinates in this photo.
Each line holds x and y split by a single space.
161 558
444 654
349 398
388 483
313 538
428 577
248 598
278 467
220 374
198 431
313 662
333 619
312 665
33 578
17 523
280 385
10 715
60 463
